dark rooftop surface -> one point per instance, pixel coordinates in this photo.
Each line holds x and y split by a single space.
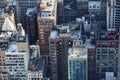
36 64
70 4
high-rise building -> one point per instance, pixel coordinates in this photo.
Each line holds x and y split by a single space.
31 25
66 11
17 56
113 16
6 24
17 59
107 50
82 8
58 54
60 11
46 19
91 64
103 10
94 8
61 38
77 62
14 48
22 6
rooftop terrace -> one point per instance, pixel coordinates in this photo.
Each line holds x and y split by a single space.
62 31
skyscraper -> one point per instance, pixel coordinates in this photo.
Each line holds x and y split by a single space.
91 64
31 25
113 14
46 19
66 11
17 56
82 8
77 62
14 52
107 50
61 39
103 10
22 6
59 52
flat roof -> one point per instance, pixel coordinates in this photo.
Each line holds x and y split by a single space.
12 49
47 5
30 11
73 35
36 64
54 35
21 39
34 51
77 56
109 74
88 44
76 34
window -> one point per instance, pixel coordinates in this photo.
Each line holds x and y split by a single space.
94 6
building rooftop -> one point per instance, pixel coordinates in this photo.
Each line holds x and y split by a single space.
88 44
22 39
70 5
76 34
31 11
109 74
6 9
54 35
45 79
8 25
6 35
78 50
36 64
77 56
34 50
104 35
13 49
47 9
47 5
8 40
65 30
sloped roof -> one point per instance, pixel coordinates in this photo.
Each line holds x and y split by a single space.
8 26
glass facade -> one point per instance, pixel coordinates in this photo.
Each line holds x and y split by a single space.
77 69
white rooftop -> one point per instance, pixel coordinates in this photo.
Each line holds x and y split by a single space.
12 49
109 74
34 49
76 34
78 56
54 35
80 50
64 27
8 25
30 10
48 5
6 35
